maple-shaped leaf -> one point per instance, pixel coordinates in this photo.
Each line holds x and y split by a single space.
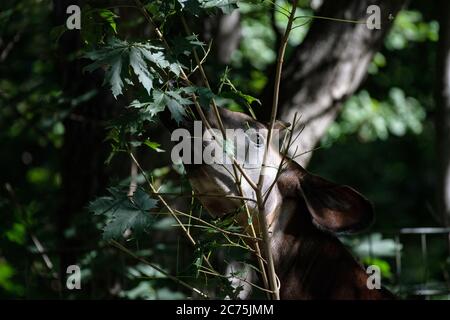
124 212
173 101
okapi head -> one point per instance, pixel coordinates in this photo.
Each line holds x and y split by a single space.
331 207
303 212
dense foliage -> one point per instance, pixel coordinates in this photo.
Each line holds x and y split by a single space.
382 143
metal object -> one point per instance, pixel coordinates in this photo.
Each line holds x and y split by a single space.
422 289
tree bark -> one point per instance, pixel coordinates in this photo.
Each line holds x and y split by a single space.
328 67
443 112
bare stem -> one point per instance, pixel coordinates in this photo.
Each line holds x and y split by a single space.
261 208
199 110
215 227
236 166
269 278
169 208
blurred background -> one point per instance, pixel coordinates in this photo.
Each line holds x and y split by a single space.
375 103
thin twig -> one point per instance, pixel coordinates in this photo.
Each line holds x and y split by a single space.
133 179
202 195
283 159
332 19
185 78
236 166
261 208
40 248
215 227
168 275
163 201
203 59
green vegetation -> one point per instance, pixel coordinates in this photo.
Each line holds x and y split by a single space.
382 142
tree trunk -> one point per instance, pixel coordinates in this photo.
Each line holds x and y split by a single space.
225 30
328 67
443 113
84 152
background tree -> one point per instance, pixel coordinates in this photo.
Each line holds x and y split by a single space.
367 99
83 173
329 66
443 114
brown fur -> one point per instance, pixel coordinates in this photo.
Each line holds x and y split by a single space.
313 263
303 212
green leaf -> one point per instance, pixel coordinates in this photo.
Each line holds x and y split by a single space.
195 6
109 58
372 119
186 45
153 145
204 94
124 212
227 6
109 17
240 97
176 104
176 109
147 61
103 206
139 66
192 6
173 101
7 283
17 233
112 76
159 59
384 266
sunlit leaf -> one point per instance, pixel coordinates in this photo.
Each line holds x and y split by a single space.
147 61
153 145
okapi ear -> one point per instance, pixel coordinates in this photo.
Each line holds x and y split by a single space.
333 207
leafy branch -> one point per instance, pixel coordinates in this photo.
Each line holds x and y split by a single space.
159 71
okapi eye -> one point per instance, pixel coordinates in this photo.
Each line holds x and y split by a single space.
257 139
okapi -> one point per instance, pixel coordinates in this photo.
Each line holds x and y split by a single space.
304 212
